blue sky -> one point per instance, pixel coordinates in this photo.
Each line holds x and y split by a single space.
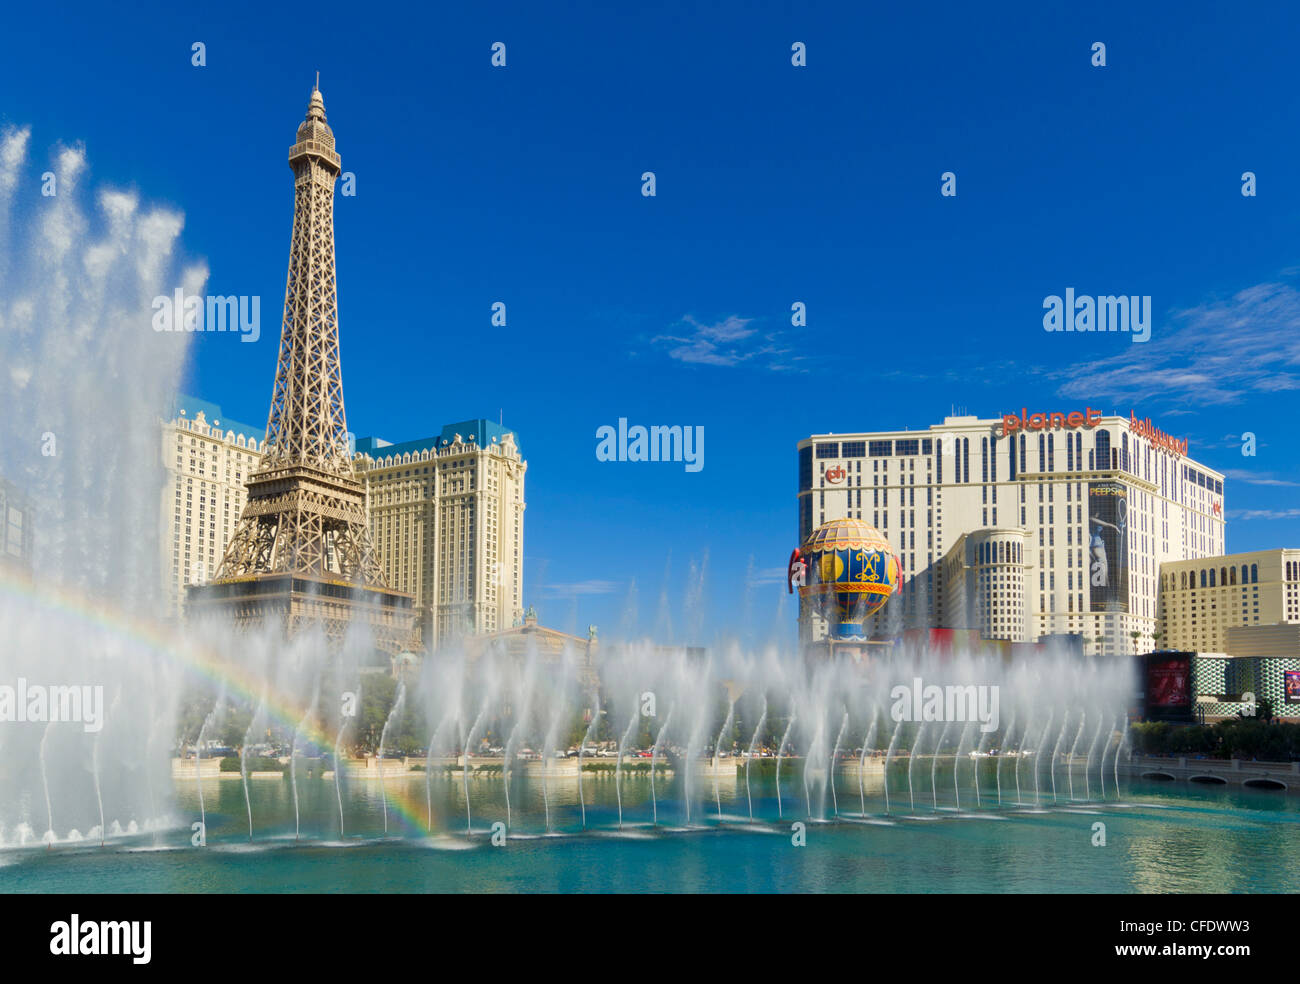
775 184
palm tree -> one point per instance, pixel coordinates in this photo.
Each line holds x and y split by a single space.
1135 635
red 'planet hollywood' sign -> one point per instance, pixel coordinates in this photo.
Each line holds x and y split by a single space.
1089 418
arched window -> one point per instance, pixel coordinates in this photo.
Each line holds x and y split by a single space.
1254 573
1244 578
1232 573
1211 577
1202 577
1223 576
1184 579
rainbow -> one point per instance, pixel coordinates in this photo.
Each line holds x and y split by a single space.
189 654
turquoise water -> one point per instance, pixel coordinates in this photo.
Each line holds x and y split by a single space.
1160 838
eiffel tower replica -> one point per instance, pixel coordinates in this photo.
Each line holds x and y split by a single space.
301 554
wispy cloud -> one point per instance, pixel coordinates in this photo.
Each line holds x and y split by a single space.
1256 478
767 575
576 588
1264 513
1215 353
732 341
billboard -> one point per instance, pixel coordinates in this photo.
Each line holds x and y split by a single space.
1107 547
1291 686
1167 687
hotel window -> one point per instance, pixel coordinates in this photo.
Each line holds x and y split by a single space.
853 449
829 450
880 449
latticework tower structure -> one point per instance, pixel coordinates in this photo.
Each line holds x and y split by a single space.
301 551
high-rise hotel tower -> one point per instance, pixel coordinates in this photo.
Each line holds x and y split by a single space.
301 553
1024 525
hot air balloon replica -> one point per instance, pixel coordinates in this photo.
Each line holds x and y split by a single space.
845 571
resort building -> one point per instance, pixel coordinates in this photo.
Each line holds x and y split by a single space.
208 458
527 639
1201 600
447 517
1022 525
445 513
16 527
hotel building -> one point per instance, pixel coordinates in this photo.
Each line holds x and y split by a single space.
15 527
446 513
207 458
1022 526
1200 600
447 517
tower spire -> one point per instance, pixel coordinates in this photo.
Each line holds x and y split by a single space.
306 511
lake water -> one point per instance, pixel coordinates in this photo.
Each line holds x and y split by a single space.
1159 838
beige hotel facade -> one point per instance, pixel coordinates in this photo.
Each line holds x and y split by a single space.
446 513
1201 600
1024 525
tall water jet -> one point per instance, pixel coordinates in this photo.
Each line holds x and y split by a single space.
622 750
1119 748
911 760
521 722
753 744
654 754
198 767
1087 766
956 765
868 743
293 758
1083 720
99 796
591 727
1101 769
468 743
985 738
259 716
398 704
889 756
1002 750
50 835
1020 756
1038 755
779 752
818 739
835 756
717 751
934 766
1056 750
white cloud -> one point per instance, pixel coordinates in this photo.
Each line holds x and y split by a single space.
573 589
1215 353
1264 513
729 342
1256 478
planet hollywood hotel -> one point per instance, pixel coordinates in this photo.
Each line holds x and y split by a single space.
1020 526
